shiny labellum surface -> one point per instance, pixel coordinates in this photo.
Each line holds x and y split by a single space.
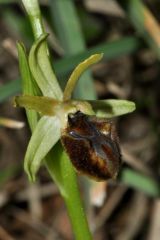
92 145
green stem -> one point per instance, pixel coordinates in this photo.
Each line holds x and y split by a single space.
57 162
67 182
33 11
76 212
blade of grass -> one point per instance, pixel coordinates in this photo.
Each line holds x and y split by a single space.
140 182
67 26
8 173
10 89
63 66
8 1
70 35
20 25
110 50
144 21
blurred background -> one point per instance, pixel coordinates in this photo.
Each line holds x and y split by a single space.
128 32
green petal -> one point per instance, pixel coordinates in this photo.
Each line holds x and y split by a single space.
44 137
42 70
111 107
77 72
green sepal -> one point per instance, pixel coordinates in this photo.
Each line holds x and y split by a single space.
43 105
111 107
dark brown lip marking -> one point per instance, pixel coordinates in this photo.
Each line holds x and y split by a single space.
92 145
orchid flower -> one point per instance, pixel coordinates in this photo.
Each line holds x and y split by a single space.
52 105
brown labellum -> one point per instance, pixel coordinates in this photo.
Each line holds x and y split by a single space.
92 145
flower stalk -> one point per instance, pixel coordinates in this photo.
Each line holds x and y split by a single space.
48 111
67 182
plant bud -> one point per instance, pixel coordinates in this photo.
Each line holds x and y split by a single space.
92 145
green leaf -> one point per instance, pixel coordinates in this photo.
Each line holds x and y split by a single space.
111 49
140 182
7 1
8 173
44 137
144 22
9 89
42 71
68 29
29 86
111 107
